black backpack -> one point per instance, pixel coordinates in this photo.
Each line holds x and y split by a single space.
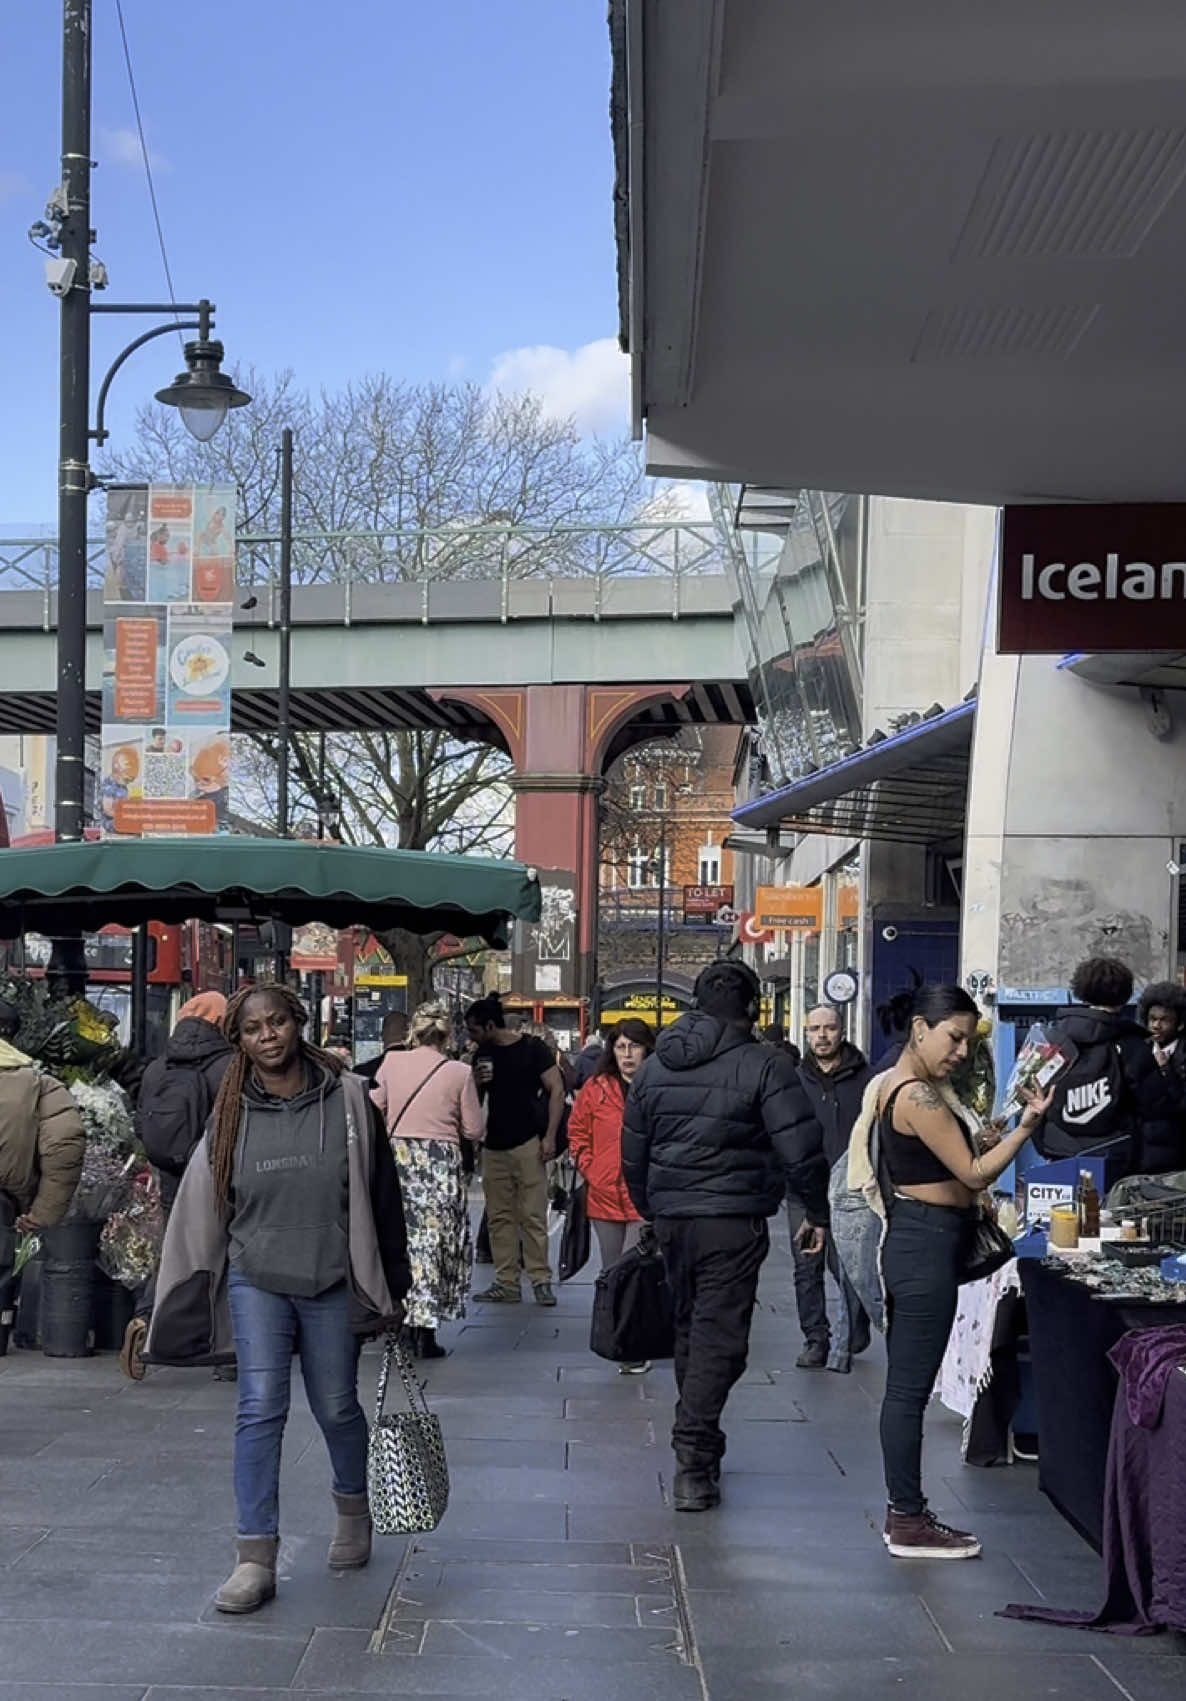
1092 1103
175 1102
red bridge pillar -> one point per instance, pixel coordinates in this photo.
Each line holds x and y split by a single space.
558 737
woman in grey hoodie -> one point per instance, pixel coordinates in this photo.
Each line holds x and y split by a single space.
287 1234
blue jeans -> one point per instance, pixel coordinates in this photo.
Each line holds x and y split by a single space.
269 1328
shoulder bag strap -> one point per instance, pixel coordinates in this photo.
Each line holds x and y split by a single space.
395 1354
393 1125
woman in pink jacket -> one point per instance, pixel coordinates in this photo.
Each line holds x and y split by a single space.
430 1104
595 1142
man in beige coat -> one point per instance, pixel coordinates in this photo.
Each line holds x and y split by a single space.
42 1140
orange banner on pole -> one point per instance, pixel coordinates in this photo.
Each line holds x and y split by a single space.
789 909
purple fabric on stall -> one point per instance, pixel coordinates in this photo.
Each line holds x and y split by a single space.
1145 1506
1145 1359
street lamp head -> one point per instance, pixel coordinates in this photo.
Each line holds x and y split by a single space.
203 393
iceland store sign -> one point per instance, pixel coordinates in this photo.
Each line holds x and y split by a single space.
1076 577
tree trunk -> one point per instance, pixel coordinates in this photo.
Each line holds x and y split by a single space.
409 954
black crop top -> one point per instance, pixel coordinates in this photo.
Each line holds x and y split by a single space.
910 1161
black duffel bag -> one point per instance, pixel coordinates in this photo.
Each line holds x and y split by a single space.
632 1311
575 1240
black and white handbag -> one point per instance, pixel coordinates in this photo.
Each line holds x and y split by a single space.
407 1471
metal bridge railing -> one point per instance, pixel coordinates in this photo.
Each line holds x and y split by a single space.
504 554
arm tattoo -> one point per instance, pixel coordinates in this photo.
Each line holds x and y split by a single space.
924 1096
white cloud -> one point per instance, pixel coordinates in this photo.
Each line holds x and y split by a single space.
12 183
590 384
122 147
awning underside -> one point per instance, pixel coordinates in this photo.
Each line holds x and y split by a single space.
908 789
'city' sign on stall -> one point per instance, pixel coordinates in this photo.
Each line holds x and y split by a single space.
1076 577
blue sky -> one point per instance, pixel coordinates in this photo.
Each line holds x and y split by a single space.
372 185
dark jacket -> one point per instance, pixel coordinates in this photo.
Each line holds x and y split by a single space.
835 1096
718 1125
191 1317
1149 1118
588 1063
176 1095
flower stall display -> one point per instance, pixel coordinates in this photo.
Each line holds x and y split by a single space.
131 1240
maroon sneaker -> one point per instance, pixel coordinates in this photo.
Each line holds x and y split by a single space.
920 1535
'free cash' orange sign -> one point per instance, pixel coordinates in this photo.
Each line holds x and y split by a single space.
789 909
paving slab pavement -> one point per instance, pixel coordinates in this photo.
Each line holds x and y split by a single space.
561 1572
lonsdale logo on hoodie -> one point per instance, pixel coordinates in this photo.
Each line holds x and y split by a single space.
1086 1102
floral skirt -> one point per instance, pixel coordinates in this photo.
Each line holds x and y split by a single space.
440 1246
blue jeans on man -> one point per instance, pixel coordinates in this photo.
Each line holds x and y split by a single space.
269 1329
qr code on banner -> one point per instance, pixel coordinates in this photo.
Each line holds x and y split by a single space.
165 776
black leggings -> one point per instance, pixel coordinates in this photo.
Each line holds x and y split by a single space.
924 1251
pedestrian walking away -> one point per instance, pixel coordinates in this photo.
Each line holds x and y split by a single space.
834 1075
521 1086
595 1142
177 1093
716 1127
287 1236
775 1035
394 1037
430 1104
934 1176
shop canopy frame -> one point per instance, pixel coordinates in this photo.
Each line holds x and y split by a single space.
69 888
911 788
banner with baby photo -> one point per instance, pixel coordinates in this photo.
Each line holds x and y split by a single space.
168 599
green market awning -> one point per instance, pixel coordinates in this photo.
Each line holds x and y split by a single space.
59 888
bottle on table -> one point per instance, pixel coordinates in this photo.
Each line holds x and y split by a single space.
1089 1207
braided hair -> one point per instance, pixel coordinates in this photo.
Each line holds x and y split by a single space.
226 1112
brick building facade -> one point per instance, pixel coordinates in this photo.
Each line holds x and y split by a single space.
671 799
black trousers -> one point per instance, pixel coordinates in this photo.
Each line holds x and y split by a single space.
712 1265
811 1300
922 1257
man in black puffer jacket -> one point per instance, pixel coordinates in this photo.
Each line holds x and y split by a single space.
716 1127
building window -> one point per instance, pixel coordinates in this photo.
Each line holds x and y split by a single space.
638 797
638 869
661 797
710 865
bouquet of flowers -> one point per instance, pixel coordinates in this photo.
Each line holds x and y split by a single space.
106 1179
975 1082
132 1235
1040 1062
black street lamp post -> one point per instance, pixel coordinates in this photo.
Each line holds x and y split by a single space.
202 394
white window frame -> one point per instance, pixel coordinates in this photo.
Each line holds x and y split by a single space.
709 859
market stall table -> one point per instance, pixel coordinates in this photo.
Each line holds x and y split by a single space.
1071 1333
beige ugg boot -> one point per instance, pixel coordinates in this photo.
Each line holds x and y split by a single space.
351 1544
253 1581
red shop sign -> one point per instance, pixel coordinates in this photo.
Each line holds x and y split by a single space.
1079 577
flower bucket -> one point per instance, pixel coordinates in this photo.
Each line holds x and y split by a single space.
67 1287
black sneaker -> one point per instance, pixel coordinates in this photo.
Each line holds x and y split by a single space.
814 1356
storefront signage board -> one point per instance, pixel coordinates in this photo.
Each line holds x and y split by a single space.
789 909
705 903
1086 578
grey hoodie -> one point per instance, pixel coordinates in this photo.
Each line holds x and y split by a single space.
191 1319
289 1190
